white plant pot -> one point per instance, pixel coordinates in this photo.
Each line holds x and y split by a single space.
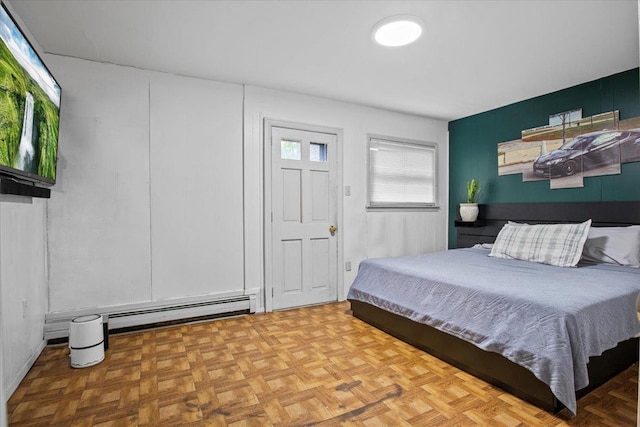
469 211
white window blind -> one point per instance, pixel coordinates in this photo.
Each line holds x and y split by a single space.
401 173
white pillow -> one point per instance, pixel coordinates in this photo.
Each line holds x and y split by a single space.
613 245
483 245
554 244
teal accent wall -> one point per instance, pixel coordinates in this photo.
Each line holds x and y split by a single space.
473 151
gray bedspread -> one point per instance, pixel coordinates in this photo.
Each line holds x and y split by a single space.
547 319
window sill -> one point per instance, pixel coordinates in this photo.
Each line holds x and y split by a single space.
402 208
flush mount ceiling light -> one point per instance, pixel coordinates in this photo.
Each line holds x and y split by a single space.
397 30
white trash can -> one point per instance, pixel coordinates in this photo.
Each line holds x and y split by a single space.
86 341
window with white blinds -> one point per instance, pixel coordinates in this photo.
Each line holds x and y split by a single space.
402 173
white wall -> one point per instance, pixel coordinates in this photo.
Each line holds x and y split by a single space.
363 234
99 209
196 187
148 203
22 284
3 399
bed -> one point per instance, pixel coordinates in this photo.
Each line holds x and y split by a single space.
546 334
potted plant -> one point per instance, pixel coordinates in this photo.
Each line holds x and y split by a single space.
469 210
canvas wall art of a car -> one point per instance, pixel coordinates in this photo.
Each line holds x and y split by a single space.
589 151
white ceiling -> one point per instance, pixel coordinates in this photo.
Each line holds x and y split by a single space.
473 56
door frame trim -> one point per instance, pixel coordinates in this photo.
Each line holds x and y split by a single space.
268 126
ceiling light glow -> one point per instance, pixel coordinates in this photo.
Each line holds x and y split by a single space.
399 30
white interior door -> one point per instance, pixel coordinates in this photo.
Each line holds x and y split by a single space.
304 210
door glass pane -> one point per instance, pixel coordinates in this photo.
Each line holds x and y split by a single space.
317 152
290 150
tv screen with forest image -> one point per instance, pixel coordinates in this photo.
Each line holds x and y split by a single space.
29 108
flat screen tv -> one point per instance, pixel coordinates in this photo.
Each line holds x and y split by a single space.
29 109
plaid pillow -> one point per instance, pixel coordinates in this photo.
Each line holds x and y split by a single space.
555 244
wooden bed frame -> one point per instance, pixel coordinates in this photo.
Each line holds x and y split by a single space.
493 367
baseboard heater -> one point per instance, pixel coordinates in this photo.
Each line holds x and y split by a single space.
138 316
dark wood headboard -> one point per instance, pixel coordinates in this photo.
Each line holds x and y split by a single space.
602 214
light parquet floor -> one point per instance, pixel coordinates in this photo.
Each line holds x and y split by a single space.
314 366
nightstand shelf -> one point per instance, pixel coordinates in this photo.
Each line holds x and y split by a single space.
470 233
476 223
